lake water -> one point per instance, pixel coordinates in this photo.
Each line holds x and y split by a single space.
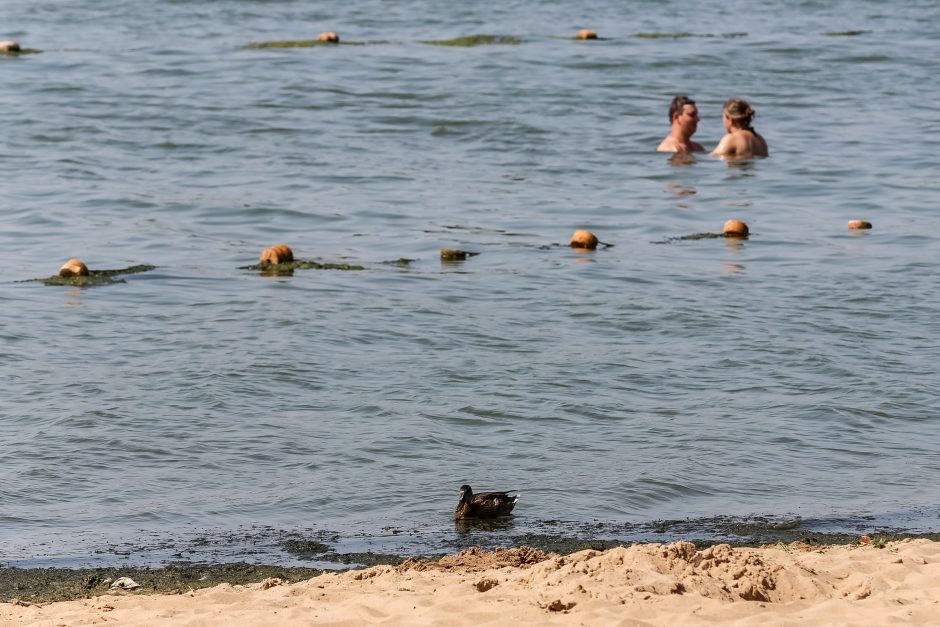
793 374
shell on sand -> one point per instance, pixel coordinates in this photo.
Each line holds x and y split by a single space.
328 37
859 224
73 267
585 33
279 253
583 239
735 228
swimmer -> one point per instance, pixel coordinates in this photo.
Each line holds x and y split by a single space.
683 115
742 141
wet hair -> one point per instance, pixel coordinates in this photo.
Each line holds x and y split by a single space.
678 104
739 112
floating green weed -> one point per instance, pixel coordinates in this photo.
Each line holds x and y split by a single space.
287 269
693 236
303 43
475 40
686 35
663 35
94 277
846 33
17 53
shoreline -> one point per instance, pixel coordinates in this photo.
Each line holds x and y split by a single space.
360 546
45 584
643 584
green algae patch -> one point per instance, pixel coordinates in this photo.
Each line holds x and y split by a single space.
302 43
365 558
45 585
663 35
698 236
402 261
846 33
19 53
94 277
475 40
287 269
305 548
686 35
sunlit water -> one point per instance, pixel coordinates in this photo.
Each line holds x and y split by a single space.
791 374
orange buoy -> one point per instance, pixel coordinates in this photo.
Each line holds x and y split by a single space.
859 224
280 253
73 267
584 33
735 228
583 239
328 37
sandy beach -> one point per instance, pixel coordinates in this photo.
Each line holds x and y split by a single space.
649 584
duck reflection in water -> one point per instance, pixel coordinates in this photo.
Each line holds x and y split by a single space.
465 526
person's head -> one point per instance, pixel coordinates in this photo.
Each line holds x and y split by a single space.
737 113
683 112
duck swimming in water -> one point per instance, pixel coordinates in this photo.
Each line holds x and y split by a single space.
484 504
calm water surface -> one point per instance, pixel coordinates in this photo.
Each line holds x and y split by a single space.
791 374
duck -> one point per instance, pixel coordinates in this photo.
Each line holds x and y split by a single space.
484 504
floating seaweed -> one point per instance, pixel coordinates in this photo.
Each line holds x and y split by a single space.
663 35
686 35
846 33
94 277
287 268
697 236
475 40
305 43
18 53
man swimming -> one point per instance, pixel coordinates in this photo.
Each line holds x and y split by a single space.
683 115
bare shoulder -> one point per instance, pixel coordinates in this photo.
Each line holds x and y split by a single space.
725 147
668 145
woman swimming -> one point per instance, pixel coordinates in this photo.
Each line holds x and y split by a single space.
742 141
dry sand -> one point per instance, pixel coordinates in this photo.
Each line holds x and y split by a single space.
652 584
